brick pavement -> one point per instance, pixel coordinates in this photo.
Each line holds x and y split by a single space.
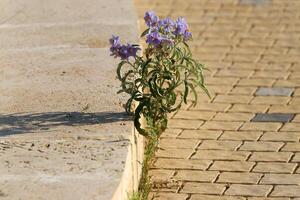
218 150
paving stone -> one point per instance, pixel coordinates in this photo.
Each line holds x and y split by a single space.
273 167
160 175
221 155
249 108
173 153
266 91
271 156
203 188
261 126
188 124
286 191
177 143
281 136
291 146
217 125
198 176
214 197
261 146
272 117
165 163
241 135
169 196
237 166
219 145
238 177
289 179
200 134
248 190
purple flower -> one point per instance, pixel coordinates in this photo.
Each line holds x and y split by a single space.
151 19
132 50
167 24
122 51
181 26
181 29
115 45
187 35
154 38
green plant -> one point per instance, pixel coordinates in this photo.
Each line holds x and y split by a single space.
161 79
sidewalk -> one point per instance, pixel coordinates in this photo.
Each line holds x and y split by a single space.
244 142
63 132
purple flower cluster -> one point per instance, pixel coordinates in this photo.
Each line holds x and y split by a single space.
165 31
122 51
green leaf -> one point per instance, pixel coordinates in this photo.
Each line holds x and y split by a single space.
137 116
145 32
120 65
186 91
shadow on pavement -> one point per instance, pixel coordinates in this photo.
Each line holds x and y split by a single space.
18 123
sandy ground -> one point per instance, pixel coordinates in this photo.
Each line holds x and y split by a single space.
63 133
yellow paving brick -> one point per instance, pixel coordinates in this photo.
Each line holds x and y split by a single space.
249 108
297 92
244 90
174 153
188 124
242 58
274 167
170 196
281 136
238 177
221 80
200 134
219 145
214 197
291 146
241 135
271 156
281 178
286 191
261 146
184 114
248 190
232 166
296 157
233 117
178 143
270 100
261 126
271 74
211 106
256 43
217 125
256 82
291 127
284 109
233 73
221 155
160 174
192 175
219 89
203 188
287 83
232 99
165 163
171 132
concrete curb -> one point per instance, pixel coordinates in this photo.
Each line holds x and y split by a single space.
132 172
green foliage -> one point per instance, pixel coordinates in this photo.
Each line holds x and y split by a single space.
160 82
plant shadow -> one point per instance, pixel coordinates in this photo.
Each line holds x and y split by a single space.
18 123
